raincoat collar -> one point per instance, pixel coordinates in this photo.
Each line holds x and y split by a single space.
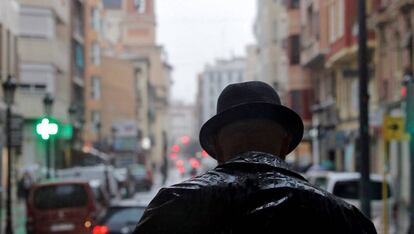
261 158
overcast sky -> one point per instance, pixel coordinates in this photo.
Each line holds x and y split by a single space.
196 32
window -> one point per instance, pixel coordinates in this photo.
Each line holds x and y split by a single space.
294 49
79 60
95 88
112 4
332 22
296 101
96 121
36 22
354 97
294 4
349 189
139 5
96 19
2 50
95 54
60 196
37 77
40 87
341 18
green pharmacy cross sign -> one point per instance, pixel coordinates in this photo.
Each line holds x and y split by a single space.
45 128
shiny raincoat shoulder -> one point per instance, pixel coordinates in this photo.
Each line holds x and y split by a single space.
252 193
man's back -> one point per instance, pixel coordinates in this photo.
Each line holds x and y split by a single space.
252 193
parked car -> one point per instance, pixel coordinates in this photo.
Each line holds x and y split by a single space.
141 176
346 186
101 195
125 185
61 207
119 218
102 173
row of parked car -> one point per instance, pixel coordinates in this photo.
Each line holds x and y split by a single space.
76 206
345 185
86 200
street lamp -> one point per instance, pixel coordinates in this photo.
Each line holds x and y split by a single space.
47 103
99 131
72 111
9 88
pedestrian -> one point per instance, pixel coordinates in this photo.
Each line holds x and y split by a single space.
252 190
24 185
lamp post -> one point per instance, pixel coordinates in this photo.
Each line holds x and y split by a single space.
364 156
72 111
409 84
47 103
9 88
99 137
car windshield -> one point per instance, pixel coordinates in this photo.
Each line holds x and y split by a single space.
60 196
139 170
117 216
350 189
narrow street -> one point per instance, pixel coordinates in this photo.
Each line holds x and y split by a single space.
173 178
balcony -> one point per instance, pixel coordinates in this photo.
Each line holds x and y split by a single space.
78 30
47 51
312 54
405 5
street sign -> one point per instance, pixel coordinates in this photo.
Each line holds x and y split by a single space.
393 128
46 128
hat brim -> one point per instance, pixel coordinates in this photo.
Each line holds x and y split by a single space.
282 115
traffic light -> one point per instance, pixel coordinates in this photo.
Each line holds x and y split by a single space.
45 128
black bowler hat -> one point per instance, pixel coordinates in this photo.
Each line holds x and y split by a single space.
250 100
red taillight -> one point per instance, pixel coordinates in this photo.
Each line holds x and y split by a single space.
100 230
194 163
204 154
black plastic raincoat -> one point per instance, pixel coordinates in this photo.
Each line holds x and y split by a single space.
252 193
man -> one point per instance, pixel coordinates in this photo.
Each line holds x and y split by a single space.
252 190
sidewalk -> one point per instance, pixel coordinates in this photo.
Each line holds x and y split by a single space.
19 218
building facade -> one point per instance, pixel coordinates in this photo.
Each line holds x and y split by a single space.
315 46
341 63
44 43
130 34
393 22
93 71
271 29
215 78
77 70
9 64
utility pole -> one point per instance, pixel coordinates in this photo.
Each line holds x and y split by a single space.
409 83
9 87
363 110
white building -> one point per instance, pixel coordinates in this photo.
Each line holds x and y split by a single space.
44 36
181 122
215 78
271 29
